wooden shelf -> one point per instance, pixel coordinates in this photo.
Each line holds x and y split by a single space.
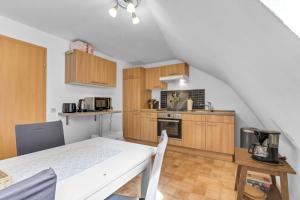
81 114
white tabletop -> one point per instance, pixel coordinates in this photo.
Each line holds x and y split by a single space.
83 168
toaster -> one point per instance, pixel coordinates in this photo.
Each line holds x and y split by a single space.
69 107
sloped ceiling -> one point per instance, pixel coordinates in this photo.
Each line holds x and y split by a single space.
242 43
238 41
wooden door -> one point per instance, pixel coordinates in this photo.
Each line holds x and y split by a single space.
22 87
220 137
193 134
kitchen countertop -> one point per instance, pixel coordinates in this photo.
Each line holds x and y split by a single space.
194 112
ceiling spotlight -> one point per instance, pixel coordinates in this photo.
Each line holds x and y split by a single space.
135 19
113 11
130 7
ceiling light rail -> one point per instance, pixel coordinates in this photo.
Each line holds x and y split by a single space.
128 5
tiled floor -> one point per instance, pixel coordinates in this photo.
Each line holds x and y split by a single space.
187 177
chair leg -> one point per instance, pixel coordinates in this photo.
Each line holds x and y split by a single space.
145 178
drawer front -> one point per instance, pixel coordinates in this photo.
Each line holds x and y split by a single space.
190 117
149 114
220 119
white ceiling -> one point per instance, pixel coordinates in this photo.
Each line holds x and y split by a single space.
89 20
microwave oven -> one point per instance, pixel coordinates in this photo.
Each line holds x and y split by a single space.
97 103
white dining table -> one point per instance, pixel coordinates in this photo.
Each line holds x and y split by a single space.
90 169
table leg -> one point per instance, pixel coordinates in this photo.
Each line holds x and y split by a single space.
242 181
101 125
284 186
238 172
145 178
273 180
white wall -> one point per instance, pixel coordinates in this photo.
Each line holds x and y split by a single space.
59 92
217 92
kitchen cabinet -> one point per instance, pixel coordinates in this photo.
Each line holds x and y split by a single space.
152 79
135 95
148 126
132 125
88 69
175 69
220 137
193 134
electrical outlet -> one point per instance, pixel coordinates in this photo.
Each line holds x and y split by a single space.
53 110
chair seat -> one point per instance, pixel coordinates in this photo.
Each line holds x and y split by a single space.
120 197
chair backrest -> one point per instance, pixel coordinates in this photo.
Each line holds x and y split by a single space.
39 186
155 174
36 137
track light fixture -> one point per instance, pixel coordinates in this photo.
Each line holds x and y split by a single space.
129 6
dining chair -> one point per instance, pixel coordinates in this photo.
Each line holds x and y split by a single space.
155 174
36 137
39 186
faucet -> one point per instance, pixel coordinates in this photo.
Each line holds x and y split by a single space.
208 105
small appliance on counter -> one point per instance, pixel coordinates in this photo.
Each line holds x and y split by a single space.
267 148
97 103
82 106
153 104
69 107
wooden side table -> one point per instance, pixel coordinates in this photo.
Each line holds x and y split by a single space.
246 163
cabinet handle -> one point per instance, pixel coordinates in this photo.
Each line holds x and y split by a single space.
101 83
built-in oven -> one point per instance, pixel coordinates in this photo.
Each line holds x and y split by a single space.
170 122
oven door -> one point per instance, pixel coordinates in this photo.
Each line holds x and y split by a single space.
172 126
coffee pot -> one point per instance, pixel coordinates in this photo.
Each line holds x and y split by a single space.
267 148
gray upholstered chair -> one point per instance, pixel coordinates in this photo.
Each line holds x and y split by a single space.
39 186
36 137
155 174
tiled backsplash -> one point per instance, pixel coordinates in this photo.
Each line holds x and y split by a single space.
198 97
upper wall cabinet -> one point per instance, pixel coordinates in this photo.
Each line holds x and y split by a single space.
152 79
84 68
174 70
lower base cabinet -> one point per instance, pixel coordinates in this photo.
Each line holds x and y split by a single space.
132 125
198 132
193 134
220 137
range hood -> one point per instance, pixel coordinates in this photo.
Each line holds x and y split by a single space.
174 78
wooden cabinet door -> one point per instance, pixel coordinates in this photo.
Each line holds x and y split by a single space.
131 94
193 134
152 79
23 89
220 137
176 69
148 129
108 73
83 63
93 70
132 73
131 125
